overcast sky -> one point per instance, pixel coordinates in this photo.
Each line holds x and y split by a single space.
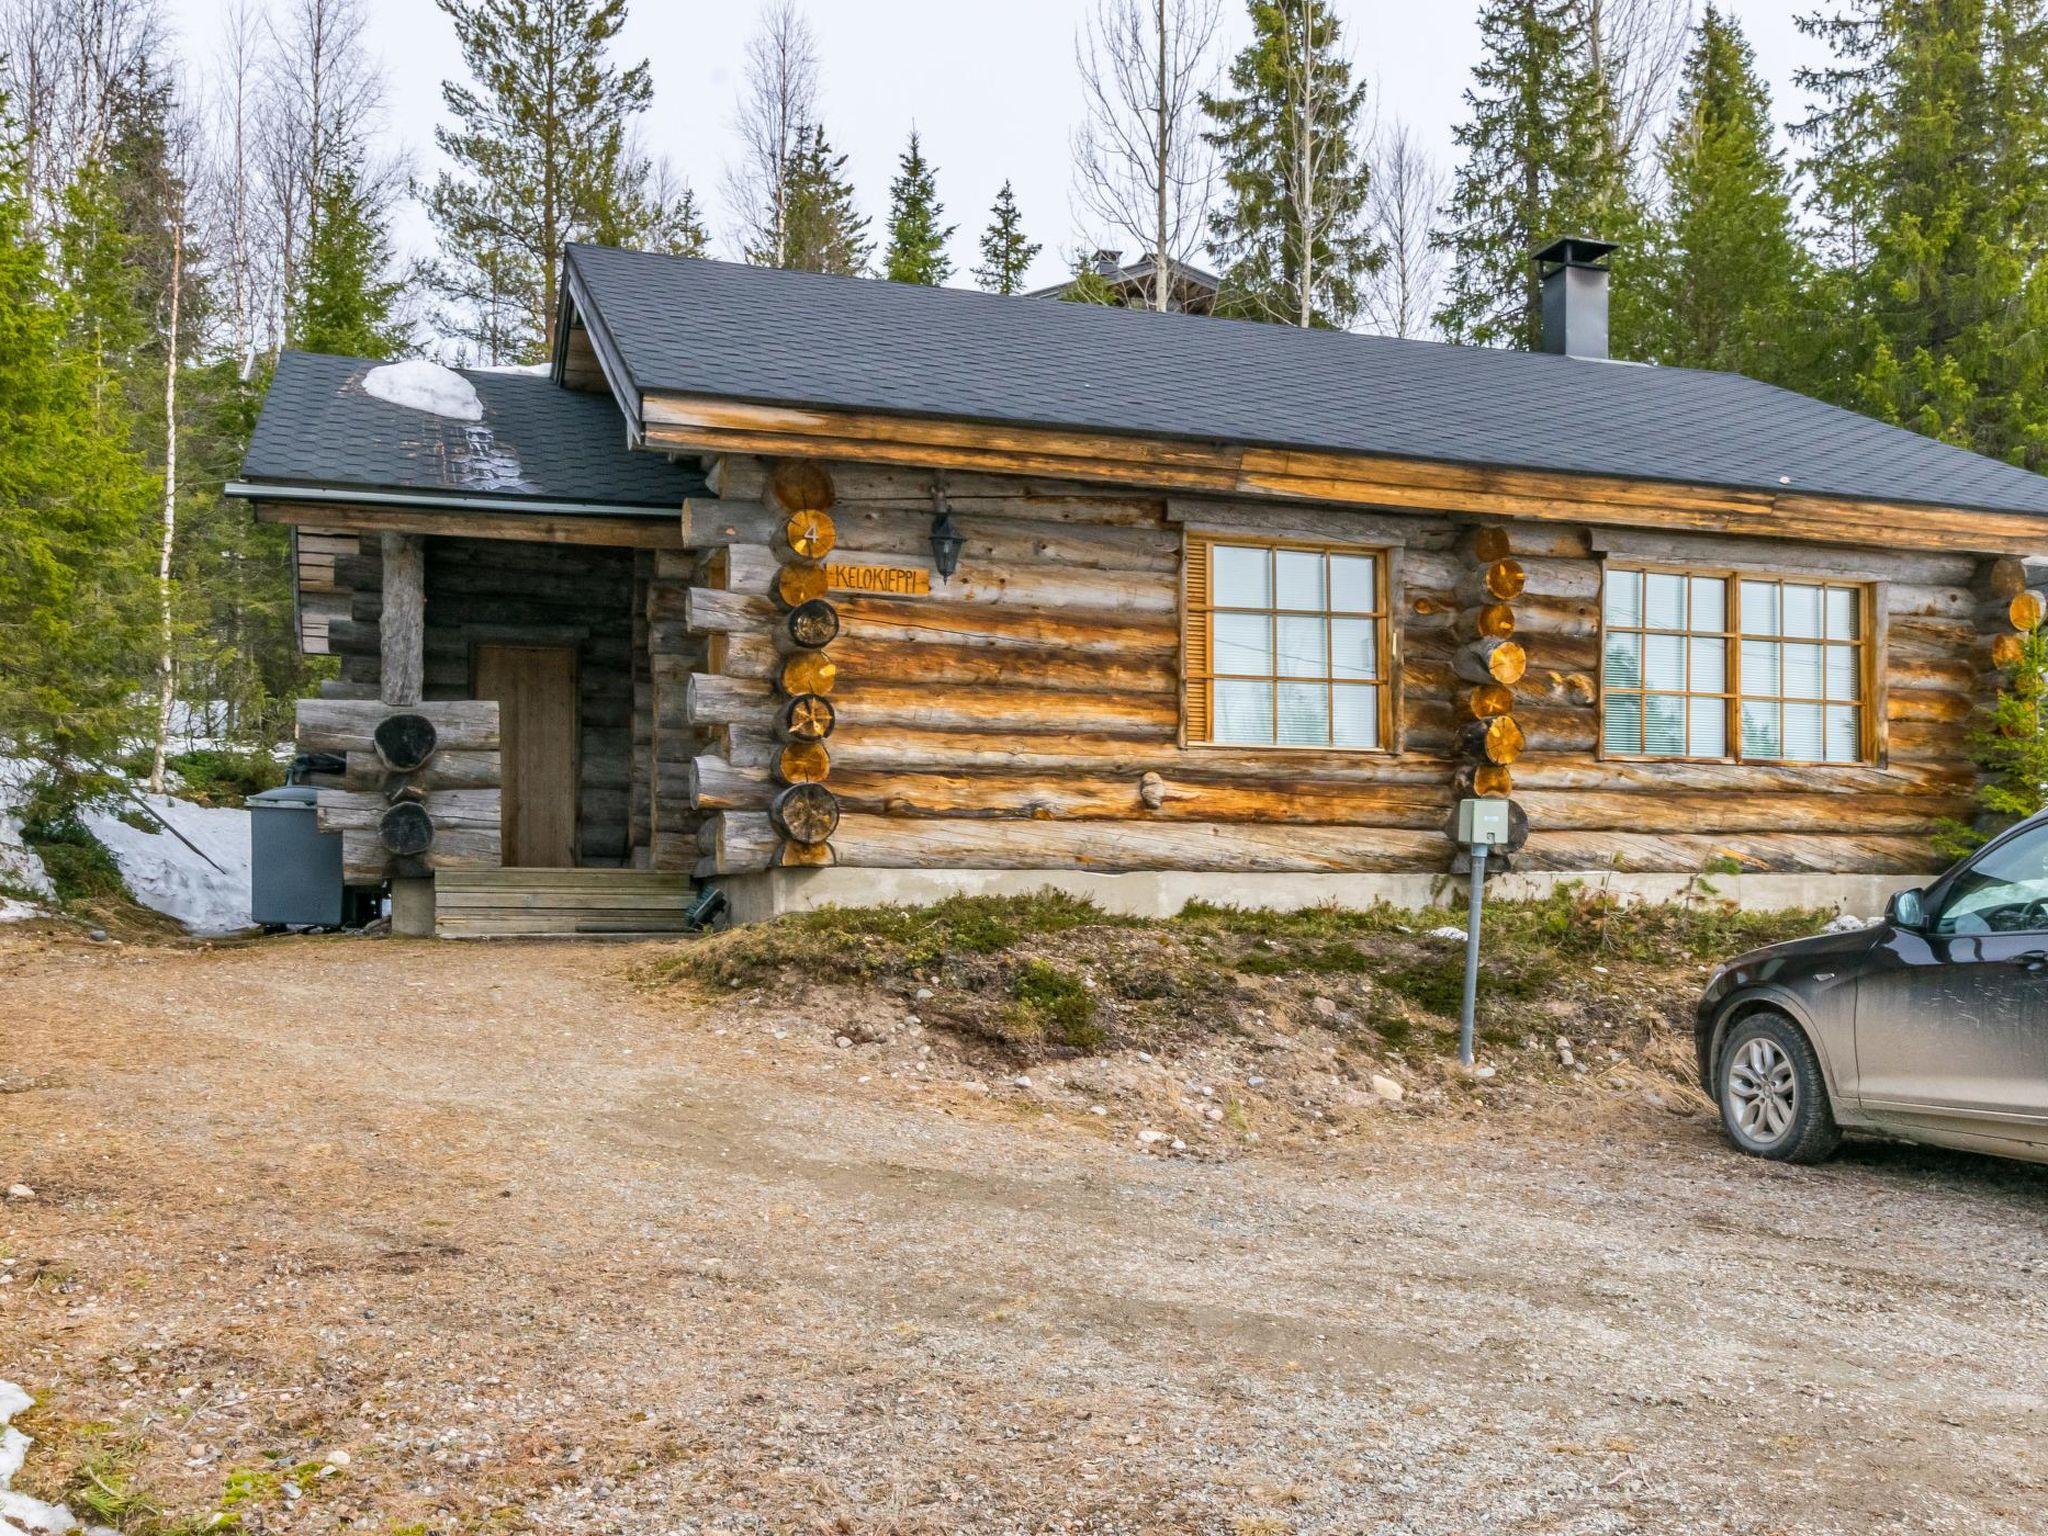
991 86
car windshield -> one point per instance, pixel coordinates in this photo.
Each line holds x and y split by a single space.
2004 891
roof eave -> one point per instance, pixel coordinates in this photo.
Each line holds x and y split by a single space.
398 496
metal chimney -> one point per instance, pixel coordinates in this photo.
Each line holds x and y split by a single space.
1575 296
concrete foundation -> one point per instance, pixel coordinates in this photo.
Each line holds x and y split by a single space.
1162 894
412 907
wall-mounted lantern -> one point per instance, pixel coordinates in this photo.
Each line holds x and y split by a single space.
946 540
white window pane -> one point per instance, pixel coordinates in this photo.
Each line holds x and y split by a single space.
1664 725
1357 718
1241 578
1708 719
1354 584
1355 648
1709 603
1709 666
1760 729
1759 608
1298 581
1845 676
1625 598
1664 601
1624 660
1244 643
1622 730
1304 715
1845 734
1844 615
1244 712
1759 666
1802 672
1803 738
1802 611
1304 647
1664 661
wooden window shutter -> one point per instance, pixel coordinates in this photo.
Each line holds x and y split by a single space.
1195 643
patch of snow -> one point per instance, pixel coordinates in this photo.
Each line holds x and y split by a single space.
423 386
487 465
19 866
1846 922
18 1512
166 875
12 911
1447 932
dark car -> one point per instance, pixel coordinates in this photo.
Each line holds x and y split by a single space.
1930 1026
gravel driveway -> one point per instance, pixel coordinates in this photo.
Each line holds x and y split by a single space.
535 1250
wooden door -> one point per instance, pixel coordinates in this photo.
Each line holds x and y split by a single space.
535 686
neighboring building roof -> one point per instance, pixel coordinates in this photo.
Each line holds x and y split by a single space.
537 442
724 330
1192 289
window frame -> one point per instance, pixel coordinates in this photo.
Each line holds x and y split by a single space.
1870 640
1200 672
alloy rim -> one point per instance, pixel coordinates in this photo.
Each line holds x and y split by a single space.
1763 1091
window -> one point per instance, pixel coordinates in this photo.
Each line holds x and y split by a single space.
1732 667
2004 891
1286 645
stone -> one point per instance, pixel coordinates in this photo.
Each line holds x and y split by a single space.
1151 1138
1212 1113
842 1042
1388 1089
20 1192
1482 1072
1097 1109
1325 1006
1023 1081
923 994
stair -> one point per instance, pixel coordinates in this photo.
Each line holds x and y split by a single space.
558 903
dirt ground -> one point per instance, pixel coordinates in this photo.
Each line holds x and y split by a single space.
534 1248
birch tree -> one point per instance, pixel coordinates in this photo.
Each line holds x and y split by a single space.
1291 234
778 106
1144 172
1406 190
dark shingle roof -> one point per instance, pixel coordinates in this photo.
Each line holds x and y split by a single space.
536 442
795 338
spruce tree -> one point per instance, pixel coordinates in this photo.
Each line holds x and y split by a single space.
1929 155
917 245
1541 159
543 155
1291 235
1724 273
822 230
345 305
1005 254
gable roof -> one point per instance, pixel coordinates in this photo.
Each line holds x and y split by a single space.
723 330
537 443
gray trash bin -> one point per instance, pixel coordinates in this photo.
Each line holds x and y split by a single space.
294 867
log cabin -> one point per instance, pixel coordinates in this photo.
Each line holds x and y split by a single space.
821 589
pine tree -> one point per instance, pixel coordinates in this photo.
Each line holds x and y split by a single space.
345 306
543 149
1725 272
1005 254
917 245
1088 285
823 232
1291 236
1541 159
75 495
1930 161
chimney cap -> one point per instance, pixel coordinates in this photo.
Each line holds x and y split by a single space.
1576 251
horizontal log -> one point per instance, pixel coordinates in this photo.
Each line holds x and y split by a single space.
364 859
893 842
1011 536
1649 853
1491 660
752 570
961 666
350 810
445 770
654 532
346 725
1725 812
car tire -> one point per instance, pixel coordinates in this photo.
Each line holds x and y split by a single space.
1773 1098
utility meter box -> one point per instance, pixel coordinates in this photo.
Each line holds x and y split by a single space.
1483 823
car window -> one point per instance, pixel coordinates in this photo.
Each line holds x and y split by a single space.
2004 891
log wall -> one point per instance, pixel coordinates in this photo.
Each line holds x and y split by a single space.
1027 713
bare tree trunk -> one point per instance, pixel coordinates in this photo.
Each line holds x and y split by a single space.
1406 191
1142 167
779 99
166 675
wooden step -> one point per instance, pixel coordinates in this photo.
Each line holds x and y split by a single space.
559 903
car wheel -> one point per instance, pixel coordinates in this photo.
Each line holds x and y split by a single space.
1774 1101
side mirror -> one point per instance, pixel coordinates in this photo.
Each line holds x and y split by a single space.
1907 909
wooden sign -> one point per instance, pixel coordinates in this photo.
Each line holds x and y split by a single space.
890 580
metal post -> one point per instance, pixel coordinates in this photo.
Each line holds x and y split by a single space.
1471 1009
